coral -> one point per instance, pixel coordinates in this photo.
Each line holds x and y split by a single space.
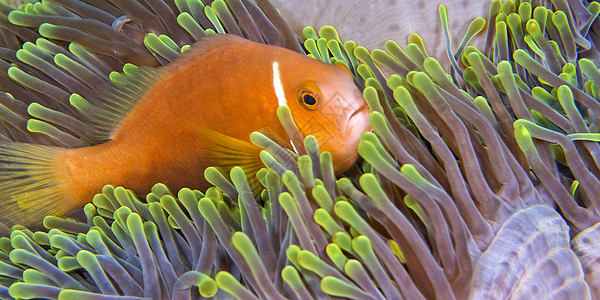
476 183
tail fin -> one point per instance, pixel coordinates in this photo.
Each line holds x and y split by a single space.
29 185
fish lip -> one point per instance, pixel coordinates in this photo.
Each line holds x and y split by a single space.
358 110
352 126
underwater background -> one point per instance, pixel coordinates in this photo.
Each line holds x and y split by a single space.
480 179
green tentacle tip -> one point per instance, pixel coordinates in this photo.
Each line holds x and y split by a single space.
229 284
188 23
364 72
313 48
244 245
34 125
372 99
68 264
416 39
48 30
284 113
371 186
443 12
162 45
589 68
433 67
343 240
87 259
291 181
524 139
412 203
292 254
559 18
130 68
509 7
324 219
362 245
573 188
311 144
19 18
291 276
411 172
21 290
210 14
514 22
80 103
36 110
207 286
334 252
394 81
525 10
323 198
238 177
305 167
36 277
397 251
565 97
378 122
18 75
310 33
346 212
403 98
329 32
353 268
117 77
362 53
323 50
337 287
533 28
310 261
369 152
212 174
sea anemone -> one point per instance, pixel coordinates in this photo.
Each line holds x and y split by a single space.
372 23
476 183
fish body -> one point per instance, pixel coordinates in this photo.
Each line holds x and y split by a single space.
212 97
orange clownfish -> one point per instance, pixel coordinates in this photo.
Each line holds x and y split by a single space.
170 119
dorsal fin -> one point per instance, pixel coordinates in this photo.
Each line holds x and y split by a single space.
205 46
113 102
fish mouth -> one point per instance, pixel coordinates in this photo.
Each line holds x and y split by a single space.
358 110
344 151
358 121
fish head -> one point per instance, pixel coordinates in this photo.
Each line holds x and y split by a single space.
326 104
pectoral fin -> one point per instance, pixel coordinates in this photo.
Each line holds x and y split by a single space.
226 152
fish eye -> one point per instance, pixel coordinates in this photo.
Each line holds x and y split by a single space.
308 98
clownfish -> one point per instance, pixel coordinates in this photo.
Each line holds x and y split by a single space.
167 124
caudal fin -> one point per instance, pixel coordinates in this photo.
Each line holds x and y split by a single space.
29 185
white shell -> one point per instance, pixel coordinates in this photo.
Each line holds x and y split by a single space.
530 258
